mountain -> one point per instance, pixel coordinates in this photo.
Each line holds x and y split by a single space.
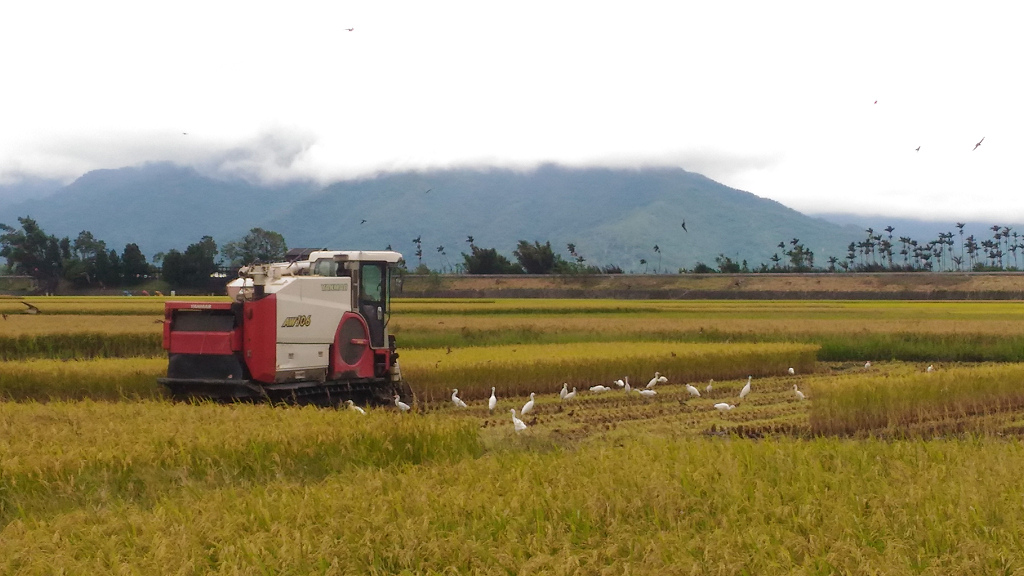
27 188
613 216
158 206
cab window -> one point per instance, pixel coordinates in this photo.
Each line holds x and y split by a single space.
372 284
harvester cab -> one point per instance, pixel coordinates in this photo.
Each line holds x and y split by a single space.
312 329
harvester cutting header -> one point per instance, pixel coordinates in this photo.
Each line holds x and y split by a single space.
313 329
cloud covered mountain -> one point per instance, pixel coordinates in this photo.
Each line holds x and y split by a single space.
613 216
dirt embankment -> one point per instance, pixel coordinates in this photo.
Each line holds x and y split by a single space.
887 286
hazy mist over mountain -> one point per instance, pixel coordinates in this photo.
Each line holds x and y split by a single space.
613 216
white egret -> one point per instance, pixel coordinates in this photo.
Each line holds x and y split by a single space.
867 364
692 390
791 371
401 405
456 400
599 388
352 406
722 406
798 393
564 390
570 395
654 380
647 393
708 389
519 424
628 387
930 368
662 380
619 383
746 389
528 407
492 402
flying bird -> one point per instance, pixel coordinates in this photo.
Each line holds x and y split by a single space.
684 226
979 143
428 190
363 221
350 29
918 149
31 309
876 101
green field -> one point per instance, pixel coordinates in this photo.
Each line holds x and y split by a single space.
887 469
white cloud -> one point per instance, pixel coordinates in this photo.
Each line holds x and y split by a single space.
772 98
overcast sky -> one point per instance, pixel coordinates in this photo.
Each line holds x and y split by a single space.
775 98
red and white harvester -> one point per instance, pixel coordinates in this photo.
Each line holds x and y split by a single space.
312 330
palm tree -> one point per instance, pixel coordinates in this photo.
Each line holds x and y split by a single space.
444 255
960 228
418 241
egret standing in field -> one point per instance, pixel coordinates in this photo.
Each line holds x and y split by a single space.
693 390
352 406
867 365
647 393
930 368
723 407
799 394
710 386
570 395
564 390
456 400
516 422
628 387
619 383
746 389
492 402
599 388
654 381
528 407
401 405
791 371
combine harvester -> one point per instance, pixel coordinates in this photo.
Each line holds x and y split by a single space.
312 330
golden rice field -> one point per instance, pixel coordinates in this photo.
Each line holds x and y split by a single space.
887 469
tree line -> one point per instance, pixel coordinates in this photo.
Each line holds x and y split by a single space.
86 262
